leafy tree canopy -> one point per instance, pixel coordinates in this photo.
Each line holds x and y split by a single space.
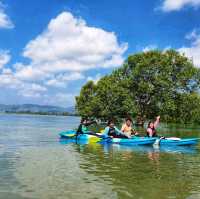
151 83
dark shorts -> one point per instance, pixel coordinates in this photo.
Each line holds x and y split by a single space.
118 136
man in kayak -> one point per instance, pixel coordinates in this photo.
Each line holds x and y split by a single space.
112 131
83 127
151 128
127 128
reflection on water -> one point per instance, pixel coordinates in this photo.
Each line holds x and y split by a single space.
56 173
36 164
145 174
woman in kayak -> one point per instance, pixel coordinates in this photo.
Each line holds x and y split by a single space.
83 127
151 128
112 131
127 128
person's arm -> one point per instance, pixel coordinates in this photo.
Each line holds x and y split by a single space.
157 121
105 133
123 128
134 132
91 122
120 132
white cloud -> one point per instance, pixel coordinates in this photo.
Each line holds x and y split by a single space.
69 44
65 98
167 48
29 73
32 90
4 58
5 21
59 55
61 80
149 47
37 87
6 71
94 79
192 35
61 99
174 5
56 83
71 77
193 52
9 80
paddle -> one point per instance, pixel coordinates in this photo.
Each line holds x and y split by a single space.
88 133
157 142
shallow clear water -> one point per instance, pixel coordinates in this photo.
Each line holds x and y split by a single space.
35 164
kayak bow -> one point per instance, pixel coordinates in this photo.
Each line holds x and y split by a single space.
178 141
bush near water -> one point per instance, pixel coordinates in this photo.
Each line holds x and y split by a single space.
148 84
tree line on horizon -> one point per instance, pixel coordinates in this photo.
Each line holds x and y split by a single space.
148 84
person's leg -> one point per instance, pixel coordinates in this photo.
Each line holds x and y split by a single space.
120 136
91 133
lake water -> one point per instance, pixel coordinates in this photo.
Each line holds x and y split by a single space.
35 164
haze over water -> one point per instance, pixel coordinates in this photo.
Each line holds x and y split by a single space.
35 164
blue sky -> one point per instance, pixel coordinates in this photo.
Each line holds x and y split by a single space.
50 48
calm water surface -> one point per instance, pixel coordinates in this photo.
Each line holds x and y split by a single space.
35 164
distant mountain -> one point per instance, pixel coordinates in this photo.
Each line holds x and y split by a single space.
34 108
70 109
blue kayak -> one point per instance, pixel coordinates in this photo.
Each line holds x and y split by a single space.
123 141
178 141
132 141
68 134
81 137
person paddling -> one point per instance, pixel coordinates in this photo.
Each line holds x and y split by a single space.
127 128
151 128
83 127
112 131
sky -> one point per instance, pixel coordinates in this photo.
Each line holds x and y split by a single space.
50 48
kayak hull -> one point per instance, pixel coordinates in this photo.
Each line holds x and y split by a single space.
82 137
180 142
121 141
133 141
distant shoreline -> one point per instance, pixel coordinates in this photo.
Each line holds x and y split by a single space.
39 113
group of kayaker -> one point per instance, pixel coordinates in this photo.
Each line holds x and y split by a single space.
127 131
